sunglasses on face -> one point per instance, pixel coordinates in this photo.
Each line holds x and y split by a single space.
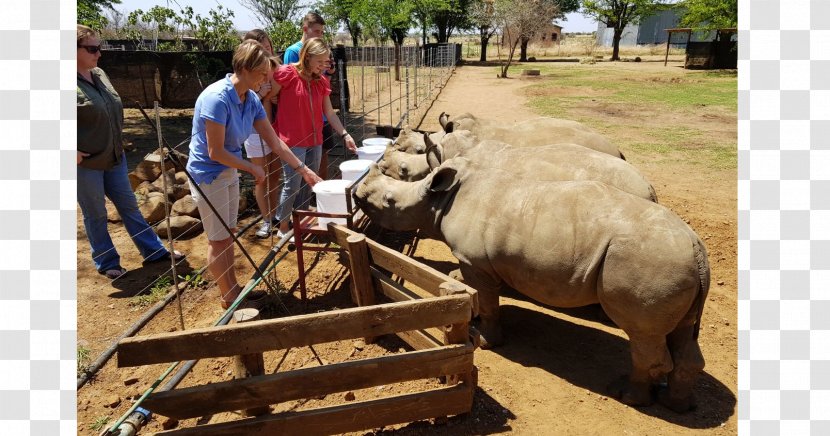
91 49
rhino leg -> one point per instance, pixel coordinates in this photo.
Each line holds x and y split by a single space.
651 362
688 362
488 304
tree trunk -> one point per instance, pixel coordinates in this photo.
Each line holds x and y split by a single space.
615 54
523 50
509 59
484 41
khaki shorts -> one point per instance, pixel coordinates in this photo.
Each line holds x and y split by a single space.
255 147
223 194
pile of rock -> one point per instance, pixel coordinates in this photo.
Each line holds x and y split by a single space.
149 187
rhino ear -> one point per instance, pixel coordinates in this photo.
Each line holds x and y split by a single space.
443 119
443 179
435 155
403 170
449 127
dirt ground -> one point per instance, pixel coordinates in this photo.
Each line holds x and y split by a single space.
551 375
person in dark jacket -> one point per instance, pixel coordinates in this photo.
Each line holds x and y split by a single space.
102 166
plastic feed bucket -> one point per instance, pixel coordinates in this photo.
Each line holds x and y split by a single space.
352 169
331 198
373 148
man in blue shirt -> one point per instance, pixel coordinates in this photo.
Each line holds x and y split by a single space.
314 26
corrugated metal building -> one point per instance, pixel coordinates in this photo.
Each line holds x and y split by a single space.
651 30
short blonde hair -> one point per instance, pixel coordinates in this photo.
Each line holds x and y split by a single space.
312 47
85 32
248 56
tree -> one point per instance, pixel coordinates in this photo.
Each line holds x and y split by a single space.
394 19
565 6
450 17
90 12
271 12
616 14
422 13
483 17
520 19
342 11
710 14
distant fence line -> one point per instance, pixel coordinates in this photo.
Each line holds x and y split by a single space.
175 79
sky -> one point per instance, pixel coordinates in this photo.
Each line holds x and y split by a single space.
245 20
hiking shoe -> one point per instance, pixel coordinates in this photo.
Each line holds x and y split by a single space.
113 273
264 230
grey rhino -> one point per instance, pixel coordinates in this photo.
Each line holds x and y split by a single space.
555 162
565 244
401 165
538 131
410 141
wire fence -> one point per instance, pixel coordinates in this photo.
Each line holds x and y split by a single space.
379 88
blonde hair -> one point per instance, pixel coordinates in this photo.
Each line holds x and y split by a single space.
312 47
248 56
85 32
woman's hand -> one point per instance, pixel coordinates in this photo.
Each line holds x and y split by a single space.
309 176
257 172
81 156
350 143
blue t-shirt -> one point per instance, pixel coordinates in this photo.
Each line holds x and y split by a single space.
220 103
292 53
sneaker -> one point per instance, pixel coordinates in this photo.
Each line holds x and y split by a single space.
281 235
264 230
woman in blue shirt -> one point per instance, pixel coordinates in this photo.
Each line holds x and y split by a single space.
226 113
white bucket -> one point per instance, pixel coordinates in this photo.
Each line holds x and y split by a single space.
331 198
373 148
353 169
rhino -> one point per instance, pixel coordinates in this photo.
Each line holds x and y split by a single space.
546 163
538 131
404 166
410 141
565 244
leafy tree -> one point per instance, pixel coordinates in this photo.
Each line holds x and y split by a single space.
423 11
519 19
160 20
216 30
394 20
283 34
710 14
616 14
451 17
342 11
90 12
483 17
271 12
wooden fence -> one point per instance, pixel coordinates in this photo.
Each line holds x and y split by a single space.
433 318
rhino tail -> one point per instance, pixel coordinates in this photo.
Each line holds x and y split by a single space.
704 273
622 156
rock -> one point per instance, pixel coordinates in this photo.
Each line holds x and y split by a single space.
720 282
145 188
134 180
152 207
181 226
170 180
148 170
112 213
181 178
130 380
112 401
349 396
186 206
358 345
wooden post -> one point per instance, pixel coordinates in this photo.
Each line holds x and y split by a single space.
249 365
362 285
456 333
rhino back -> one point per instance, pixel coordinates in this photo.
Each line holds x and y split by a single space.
561 162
